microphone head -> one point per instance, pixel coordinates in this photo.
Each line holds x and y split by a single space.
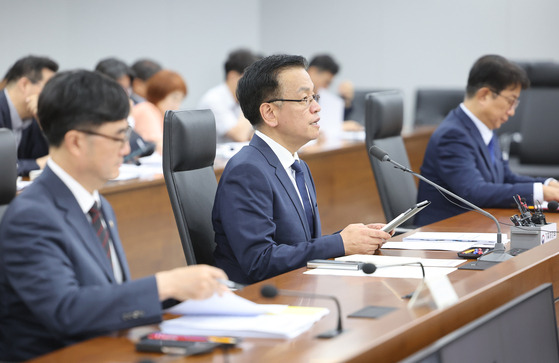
269 291
552 206
369 268
379 153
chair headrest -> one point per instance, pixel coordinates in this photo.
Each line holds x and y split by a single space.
384 114
542 74
8 166
189 139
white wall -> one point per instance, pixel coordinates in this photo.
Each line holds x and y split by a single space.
379 43
411 43
190 37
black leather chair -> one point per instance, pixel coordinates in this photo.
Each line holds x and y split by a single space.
538 123
384 117
189 145
358 110
8 169
432 105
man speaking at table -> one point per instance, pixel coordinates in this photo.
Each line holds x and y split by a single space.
463 154
63 273
265 214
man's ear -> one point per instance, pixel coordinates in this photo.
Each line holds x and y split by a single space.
268 112
483 93
74 142
22 84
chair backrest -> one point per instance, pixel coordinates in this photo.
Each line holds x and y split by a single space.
358 108
432 105
8 168
189 145
537 117
540 127
384 117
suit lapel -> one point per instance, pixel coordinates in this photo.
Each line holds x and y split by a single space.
314 203
5 118
76 220
479 143
113 231
284 179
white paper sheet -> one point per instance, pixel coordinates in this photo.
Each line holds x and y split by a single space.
285 325
226 304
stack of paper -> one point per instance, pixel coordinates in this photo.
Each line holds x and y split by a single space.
231 315
446 241
433 267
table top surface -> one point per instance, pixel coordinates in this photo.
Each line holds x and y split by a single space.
402 331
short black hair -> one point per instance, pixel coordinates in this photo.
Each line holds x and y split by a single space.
77 100
114 68
239 60
145 68
325 62
496 73
30 67
260 83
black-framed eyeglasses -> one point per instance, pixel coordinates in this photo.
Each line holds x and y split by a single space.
513 102
305 100
122 140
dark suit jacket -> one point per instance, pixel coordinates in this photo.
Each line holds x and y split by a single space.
56 286
457 159
259 222
33 143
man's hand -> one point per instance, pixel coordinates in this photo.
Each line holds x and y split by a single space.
192 282
361 239
31 103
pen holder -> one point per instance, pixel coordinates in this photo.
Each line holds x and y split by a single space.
528 237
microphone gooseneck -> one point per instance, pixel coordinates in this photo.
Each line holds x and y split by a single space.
498 254
270 291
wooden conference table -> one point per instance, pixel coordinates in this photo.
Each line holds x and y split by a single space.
346 193
389 338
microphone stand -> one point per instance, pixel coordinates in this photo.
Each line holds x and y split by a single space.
270 291
498 254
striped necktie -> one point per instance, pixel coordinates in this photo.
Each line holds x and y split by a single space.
100 230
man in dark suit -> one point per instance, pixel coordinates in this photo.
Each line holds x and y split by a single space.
463 154
18 105
265 213
63 273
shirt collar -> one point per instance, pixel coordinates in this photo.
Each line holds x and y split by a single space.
284 155
84 198
486 132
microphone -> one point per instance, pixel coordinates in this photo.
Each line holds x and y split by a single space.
498 254
552 206
270 291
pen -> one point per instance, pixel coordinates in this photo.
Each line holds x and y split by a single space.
231 284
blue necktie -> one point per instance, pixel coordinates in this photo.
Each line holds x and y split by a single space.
491 147
300 180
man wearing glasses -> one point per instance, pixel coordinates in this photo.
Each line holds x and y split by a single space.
265 213
19 92
463 154
63 272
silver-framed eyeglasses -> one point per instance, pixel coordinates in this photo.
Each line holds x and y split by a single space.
513 102
305 100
